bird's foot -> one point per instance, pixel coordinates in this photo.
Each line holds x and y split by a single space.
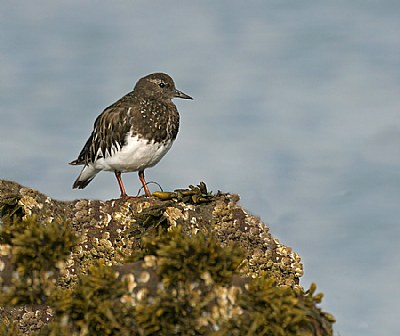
125 197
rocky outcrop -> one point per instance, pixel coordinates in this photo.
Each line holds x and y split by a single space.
187 262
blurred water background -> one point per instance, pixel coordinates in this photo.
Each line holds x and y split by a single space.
296 109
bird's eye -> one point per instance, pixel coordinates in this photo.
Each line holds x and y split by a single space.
162 85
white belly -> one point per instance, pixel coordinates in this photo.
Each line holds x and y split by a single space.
136 155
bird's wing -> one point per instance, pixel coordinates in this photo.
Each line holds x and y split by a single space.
109 133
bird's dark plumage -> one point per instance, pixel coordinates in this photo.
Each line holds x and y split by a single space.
134 133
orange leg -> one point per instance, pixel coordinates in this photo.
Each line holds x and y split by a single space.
121 185
141 178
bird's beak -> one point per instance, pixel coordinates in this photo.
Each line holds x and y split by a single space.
180 94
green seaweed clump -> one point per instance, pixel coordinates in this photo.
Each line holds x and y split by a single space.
181 311
196 275
38 251
268 309
93 306
180 257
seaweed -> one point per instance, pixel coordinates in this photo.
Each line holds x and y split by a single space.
185 258
268 309
37 252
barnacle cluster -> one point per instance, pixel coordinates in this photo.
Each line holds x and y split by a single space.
231 223
186 262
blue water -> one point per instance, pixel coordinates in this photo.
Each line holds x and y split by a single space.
296 109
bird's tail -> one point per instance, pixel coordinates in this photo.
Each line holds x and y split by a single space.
87 174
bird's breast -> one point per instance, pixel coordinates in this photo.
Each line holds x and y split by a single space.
155 120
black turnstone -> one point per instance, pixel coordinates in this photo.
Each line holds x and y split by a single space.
134 133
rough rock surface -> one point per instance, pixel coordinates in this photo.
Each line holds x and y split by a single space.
187 262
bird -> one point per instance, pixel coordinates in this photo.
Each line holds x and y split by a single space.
132 134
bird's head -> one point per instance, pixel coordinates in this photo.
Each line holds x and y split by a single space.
159 85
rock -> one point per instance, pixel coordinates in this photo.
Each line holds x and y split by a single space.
187 262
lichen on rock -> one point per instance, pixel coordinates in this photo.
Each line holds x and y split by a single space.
187 262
